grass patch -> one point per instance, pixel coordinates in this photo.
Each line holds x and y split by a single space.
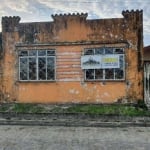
27 108
4 108
22 108
114 109
108 110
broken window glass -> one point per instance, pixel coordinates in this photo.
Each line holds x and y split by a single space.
50 53
106 73
89 74
32 68
89 52
37 67
42 68
118 51
32 53
99 51
50 68
41 53
98 73
119 74
23 53
23 69
109 73
121 61
108 50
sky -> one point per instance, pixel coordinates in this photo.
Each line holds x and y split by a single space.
41 10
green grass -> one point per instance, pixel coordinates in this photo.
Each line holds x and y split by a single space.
4 108
114 109
109 110
22 108
27 108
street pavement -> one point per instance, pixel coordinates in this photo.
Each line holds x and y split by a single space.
73 138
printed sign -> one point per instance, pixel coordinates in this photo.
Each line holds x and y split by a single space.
91 62
110 61
99 61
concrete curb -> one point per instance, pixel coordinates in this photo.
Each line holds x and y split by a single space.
72 120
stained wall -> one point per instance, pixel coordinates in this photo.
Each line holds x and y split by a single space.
69 35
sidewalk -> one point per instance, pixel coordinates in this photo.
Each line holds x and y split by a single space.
72 120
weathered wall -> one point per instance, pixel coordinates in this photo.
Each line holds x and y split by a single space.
69 35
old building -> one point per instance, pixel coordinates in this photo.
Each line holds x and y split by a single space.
147 75
73 59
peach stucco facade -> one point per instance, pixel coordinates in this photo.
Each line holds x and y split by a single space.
69 35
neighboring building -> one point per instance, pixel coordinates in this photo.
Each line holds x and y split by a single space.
73 59
1 66
147 75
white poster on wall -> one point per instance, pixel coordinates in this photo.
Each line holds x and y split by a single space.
100 61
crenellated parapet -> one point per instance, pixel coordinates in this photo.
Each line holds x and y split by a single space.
133 13
134 16
10 24
76 16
